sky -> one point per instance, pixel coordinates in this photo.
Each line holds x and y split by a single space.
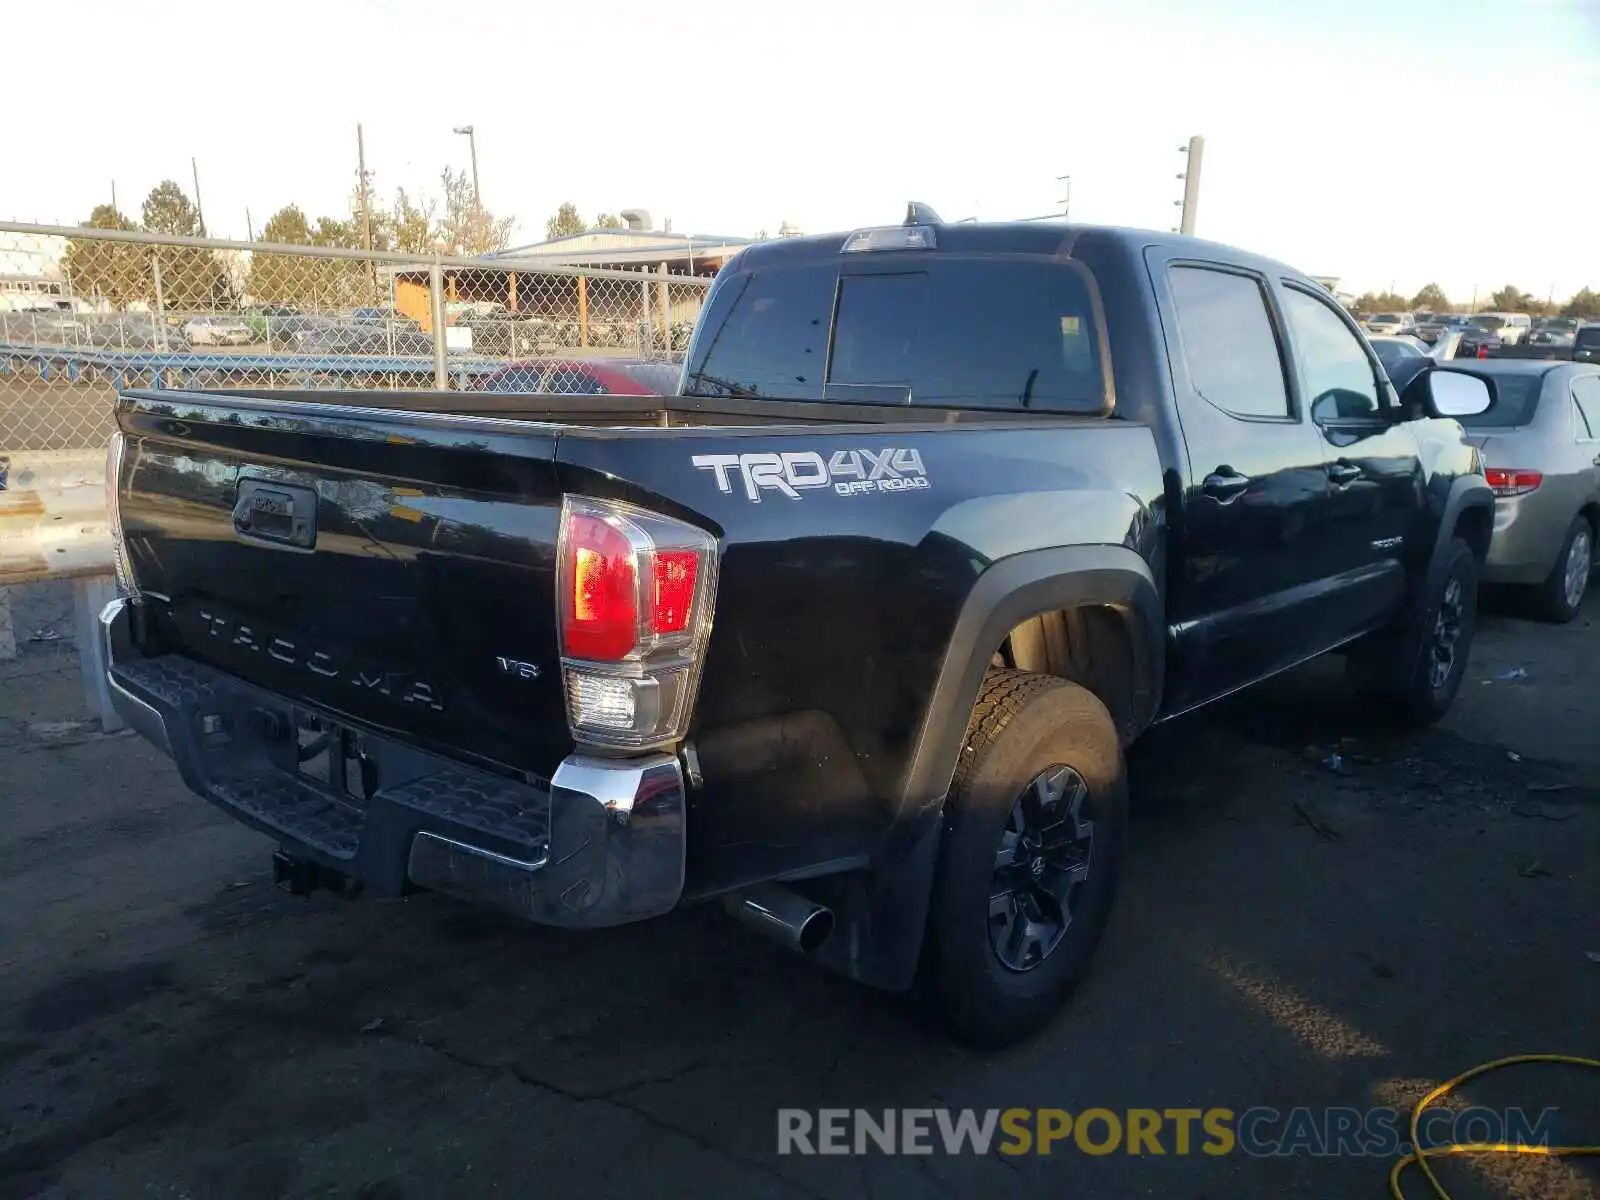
1456 142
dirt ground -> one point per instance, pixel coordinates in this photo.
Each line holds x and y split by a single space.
1289 933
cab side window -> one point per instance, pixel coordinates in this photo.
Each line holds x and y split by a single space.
1229 346
1334 368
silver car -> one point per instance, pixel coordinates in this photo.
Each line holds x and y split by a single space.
1541 454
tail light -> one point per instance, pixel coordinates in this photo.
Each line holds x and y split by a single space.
1483 352
1508 481
635 597
119 552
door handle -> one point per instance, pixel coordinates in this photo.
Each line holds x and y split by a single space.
1225 483
1343 472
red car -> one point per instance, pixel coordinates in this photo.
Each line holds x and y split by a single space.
582 377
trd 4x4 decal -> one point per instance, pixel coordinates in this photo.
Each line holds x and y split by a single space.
790 472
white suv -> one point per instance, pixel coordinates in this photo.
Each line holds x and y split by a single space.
1512 328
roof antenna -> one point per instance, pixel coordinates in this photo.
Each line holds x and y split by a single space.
918 213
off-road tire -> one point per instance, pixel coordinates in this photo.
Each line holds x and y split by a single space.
1022 725
1395 670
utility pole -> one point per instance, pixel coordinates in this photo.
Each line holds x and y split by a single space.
364 192
199 209
114 207
1066 199
1191 183
249 227
472 142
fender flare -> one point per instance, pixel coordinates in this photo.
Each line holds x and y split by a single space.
1466 492
1004 596
884 919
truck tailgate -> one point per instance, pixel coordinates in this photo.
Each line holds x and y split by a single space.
378 565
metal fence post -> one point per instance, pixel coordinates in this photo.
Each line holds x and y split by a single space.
665 299
161 308
644 314
441 377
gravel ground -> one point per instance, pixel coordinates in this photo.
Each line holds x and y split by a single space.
1289 933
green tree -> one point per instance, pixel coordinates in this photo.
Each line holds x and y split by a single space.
1584 303
282 278
191 278
167 210
607 221
409 224
565 223
1431 299
1377 302
303 281
467 228
288 225
1511 299
117 272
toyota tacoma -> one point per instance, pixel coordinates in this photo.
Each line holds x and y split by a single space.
851 634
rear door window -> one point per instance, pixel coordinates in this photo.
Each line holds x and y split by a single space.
1229 345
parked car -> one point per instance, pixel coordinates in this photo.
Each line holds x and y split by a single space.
1541 453
363 339
44 326
1428 328
263 320
1509 328
1402 357
216 331
134 331
1586 344
583 377
389 318
1388 323
1550 337
850 635
284 331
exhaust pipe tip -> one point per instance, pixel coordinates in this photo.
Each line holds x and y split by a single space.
814 930
786 917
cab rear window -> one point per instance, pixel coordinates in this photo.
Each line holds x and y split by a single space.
992 333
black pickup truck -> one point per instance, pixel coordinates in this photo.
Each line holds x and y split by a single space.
851 634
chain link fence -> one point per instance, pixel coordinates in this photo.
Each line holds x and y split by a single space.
86 312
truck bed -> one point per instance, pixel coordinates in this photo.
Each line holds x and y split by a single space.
431 556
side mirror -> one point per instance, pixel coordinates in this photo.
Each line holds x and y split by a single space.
1455 394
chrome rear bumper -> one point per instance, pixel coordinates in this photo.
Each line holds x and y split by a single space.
602 844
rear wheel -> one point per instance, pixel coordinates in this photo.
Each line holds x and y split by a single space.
1035 827
1560 596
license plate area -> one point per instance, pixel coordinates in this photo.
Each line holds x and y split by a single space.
333 756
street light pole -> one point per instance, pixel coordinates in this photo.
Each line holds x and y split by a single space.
472 143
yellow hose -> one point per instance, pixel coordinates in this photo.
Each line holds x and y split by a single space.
1421 1156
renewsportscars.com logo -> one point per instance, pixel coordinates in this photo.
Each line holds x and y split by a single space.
1258 1132
790 472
